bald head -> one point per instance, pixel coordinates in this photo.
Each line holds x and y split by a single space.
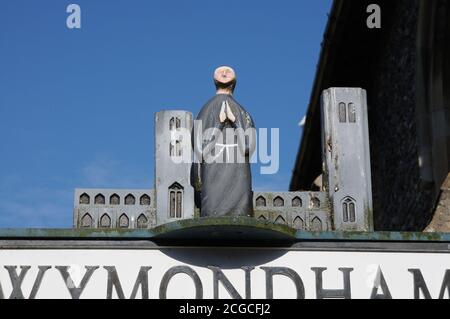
225 79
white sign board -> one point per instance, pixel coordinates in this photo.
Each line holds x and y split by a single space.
221 272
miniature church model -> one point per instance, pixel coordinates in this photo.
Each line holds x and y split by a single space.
344 204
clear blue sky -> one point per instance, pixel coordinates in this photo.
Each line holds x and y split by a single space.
77 106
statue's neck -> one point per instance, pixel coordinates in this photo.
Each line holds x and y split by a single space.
224 91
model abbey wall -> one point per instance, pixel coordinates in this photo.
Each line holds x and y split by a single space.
345 203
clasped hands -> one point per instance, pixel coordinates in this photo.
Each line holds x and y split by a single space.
226 113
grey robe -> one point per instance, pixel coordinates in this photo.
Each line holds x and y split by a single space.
225 188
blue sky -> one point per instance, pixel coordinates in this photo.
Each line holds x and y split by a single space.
77 106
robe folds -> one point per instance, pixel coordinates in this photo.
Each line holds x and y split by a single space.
222 177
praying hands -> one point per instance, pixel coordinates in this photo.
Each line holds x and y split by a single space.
226 113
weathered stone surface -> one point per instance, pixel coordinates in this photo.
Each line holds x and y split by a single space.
174 193
346 158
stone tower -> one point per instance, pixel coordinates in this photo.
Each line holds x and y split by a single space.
173 161
346 158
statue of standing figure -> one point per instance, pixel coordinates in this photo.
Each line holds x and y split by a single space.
224 146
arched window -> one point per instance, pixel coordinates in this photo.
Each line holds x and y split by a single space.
316 225
296 202
278 202
314 203
342 113
145 200
105 221
114 200
349 210
299 223
280 220
174 123
175 201
85 199
130 200
172 149
178 148
142 221
124 221
351 113
261 202
175 148
262 218
100 199
86 221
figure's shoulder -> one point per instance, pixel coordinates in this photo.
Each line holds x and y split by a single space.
236 101
239 105
244 114
209 106
218 98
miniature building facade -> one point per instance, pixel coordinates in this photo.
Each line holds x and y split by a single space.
113 208
173 161
307 211
344 205
137 209
346 155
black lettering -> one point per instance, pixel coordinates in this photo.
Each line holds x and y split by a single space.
333 293
181 270
287 272
76 292
114 282
384 288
